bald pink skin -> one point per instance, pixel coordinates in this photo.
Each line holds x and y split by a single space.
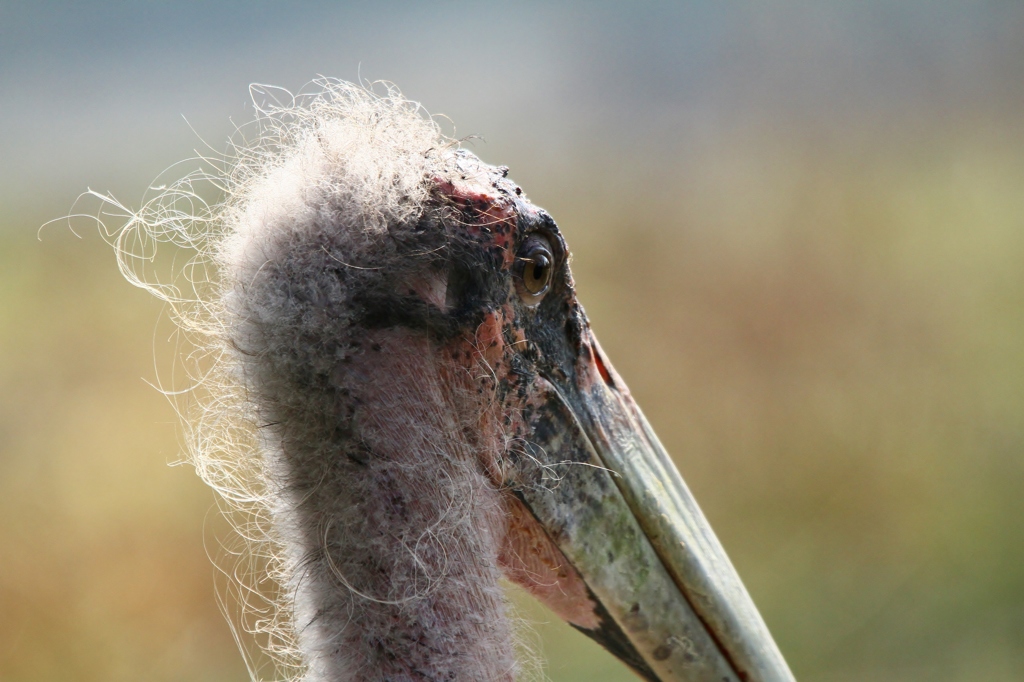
496 215
527 556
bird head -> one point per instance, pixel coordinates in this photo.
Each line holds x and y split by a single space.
404 295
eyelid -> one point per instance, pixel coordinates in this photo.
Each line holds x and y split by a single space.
549 243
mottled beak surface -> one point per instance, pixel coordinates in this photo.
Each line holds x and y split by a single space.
667 600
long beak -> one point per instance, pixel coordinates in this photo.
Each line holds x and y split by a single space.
668 601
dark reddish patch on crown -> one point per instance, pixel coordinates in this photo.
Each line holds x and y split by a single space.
490 214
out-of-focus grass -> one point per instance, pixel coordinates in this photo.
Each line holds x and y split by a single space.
103 573
830 343
826 335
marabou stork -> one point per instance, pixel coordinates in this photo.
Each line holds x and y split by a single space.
436 413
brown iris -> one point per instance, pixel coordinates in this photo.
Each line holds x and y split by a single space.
533 269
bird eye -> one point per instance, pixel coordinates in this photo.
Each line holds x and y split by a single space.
534 268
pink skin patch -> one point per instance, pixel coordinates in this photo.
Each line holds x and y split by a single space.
593 367
489 341
494 215
527 556
531 560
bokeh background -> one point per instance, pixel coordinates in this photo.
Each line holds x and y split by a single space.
798 229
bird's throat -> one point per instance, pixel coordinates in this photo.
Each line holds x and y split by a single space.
396 574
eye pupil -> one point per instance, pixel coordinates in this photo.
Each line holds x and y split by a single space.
537 273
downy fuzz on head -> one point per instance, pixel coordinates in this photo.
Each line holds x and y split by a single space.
363 474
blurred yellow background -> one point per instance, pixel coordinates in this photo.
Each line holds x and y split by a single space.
798 231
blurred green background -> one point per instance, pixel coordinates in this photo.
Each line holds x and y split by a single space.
798 229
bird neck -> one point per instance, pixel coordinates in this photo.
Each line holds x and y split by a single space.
394 530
